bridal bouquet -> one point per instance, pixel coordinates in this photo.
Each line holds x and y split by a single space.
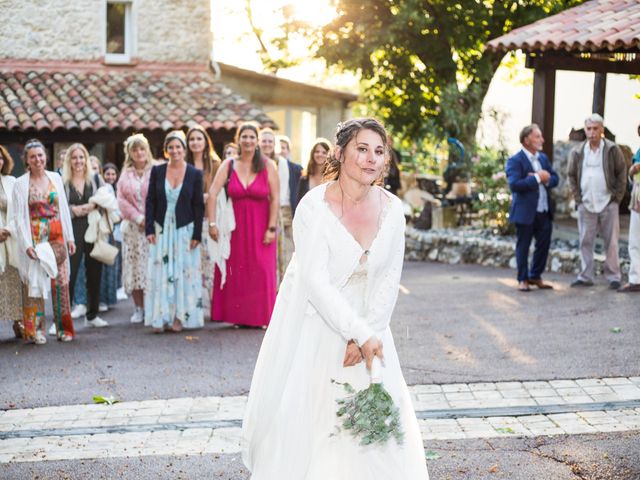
370 414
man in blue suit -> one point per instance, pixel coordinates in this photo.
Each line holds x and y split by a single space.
531 177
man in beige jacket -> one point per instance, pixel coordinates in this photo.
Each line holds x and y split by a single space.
597 175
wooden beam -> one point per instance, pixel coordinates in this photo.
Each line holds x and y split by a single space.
542 112
567 62
599 93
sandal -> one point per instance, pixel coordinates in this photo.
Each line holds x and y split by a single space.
18 329
65 337
39 339
176 327
630 287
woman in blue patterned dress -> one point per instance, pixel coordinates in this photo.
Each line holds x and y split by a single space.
173 224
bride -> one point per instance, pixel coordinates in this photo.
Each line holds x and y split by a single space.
330 320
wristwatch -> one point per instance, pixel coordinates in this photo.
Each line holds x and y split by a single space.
212 224
272 229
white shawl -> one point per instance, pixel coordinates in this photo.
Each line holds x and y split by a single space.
23 221
101 221
314 277
8 252
221 250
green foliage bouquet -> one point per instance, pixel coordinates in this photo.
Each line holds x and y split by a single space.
370 414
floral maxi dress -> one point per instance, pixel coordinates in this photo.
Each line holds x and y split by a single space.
44 212
11 297
174 275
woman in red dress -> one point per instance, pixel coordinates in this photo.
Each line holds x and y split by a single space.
249 290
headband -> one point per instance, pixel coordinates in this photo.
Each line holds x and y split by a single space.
175 135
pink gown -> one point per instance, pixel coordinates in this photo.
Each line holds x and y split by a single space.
249 293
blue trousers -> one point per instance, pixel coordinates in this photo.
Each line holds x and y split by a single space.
540 229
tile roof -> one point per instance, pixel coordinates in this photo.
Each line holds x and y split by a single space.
119 100
597 25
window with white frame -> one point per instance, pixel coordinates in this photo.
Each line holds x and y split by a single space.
119 32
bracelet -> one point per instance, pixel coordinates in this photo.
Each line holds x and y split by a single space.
272 229
212 224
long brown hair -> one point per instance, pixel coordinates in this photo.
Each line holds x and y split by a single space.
347 131
257 163
210 159
7 165
312 166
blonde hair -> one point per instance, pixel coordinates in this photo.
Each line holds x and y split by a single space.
268 131
67 173
93 158
135 140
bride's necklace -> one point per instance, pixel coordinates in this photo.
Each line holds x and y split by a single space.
356 202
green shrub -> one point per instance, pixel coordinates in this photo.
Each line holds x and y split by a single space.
493 197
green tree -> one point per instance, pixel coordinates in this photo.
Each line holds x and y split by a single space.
424 67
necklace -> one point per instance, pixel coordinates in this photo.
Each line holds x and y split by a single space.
345 194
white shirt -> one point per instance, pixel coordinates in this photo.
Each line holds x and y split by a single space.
283 174
543 199
595 195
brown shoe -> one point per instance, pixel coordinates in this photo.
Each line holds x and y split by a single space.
523 287
630 287
540 284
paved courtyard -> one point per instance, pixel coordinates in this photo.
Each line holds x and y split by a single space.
505 385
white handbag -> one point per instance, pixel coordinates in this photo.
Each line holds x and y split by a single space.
104 252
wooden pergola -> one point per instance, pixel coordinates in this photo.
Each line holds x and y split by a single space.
600 36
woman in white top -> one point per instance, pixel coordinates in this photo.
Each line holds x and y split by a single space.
332 312
42 216
11 298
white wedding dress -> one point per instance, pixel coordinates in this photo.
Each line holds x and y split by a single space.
299 439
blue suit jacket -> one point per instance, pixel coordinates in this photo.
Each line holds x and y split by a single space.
190 206
524 187
295 171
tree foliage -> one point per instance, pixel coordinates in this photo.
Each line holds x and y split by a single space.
424 67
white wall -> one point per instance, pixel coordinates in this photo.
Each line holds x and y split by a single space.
574 96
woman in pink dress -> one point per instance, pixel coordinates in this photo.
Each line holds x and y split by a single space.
249 291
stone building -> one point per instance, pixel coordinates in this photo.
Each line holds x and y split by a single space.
95 71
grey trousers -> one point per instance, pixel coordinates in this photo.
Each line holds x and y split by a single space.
607 224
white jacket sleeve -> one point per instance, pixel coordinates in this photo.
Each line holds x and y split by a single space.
325 297
385 293
20 211
63 204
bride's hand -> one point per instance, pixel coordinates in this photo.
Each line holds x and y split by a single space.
352 355
372 348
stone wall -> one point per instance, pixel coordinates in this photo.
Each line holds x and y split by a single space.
166 30
51 29
174 30
455 246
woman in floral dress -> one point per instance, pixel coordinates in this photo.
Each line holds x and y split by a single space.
132 194
42 215
200 154
11 298
173 224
